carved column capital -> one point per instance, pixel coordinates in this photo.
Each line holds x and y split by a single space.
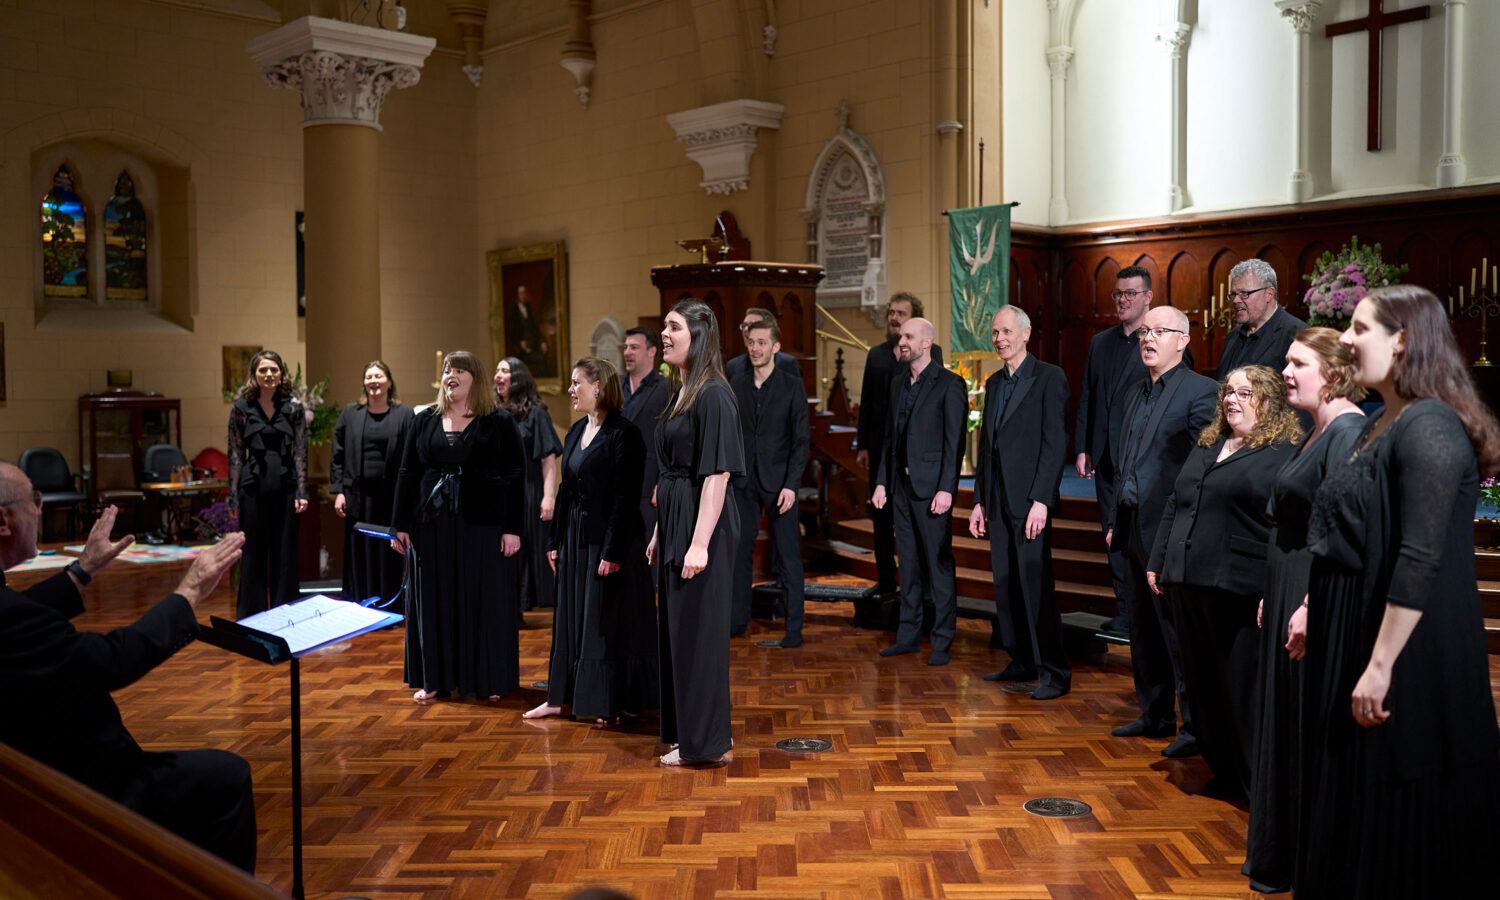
721 139
1300 14
1058 60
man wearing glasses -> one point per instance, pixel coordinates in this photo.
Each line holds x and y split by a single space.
57 708
1265 330
1163 415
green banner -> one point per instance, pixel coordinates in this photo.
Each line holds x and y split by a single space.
979 270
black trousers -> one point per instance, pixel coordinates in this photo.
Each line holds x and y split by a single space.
786 557
1104 491
1028 620
924 544
884 522
1154 655
1221 668
203 796
268 564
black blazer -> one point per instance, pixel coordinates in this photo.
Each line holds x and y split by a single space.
1189 402
881 367
1021 456
776 439
1267 347
644 408
347 463
57 706
934 436
1109 369
491 480
1217 523
607 491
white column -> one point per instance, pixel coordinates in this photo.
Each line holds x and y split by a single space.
1058 60
1301 14
1451 169
1176 41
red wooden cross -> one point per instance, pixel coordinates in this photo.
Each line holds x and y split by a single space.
1375 23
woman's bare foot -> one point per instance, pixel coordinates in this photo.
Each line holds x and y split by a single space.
423 696
674 758
541 712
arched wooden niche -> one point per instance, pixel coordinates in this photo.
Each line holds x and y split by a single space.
845 215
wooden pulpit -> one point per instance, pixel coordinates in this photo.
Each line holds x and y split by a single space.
729 288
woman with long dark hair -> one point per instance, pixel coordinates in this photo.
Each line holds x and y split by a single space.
699 448
267 482
1403 777
1318 381
604 661
516 389
367 445
458 501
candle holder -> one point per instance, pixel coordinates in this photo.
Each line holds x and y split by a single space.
1482 303
1219 314
1481 308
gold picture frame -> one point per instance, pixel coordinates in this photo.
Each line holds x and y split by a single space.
236 366
529 310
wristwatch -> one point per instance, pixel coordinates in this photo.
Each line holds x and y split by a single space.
79 572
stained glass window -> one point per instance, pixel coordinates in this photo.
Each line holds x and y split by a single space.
124 243
65 258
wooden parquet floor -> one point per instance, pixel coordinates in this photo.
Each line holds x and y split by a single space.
921 795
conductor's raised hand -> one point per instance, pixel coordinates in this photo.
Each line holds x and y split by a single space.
208 567
98 551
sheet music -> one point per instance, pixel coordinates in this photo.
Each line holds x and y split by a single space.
318 621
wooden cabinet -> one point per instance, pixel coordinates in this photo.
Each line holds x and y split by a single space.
120 425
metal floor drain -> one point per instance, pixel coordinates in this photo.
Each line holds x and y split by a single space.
1020 687
804 745
769 642
1058 808
541 685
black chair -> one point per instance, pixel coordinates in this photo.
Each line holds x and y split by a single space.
60 487
161 460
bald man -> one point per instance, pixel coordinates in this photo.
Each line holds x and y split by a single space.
918 475
57 708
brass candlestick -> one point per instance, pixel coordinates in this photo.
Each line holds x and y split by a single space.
1220 313
1481 304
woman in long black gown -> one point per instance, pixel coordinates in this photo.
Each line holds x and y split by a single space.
517 392
367 445
1317 380
458 499
1403 777
699 448
604 662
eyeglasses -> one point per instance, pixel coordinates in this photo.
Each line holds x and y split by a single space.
1121 295
1157 333
1245 295
1244 394
35 498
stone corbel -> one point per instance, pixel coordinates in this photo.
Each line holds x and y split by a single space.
721 139
578 54
469 16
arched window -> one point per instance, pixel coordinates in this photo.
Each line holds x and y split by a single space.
125 231
65 257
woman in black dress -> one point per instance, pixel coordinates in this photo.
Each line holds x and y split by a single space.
1318 381
267 483
699 448
604 661
458 499
1210 561
367 445
517 392
1403 777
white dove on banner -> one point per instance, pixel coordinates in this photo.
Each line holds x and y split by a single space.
977 263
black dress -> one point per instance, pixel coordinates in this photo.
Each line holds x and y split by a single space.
538 441
457 494
1407 808
267 472
694 613
366 455
1275 791
604 657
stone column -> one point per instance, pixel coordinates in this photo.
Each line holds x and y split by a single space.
1452 170
1176 41
1058 60
343 72
1301 14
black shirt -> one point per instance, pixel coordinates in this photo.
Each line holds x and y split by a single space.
1266 347
1008 386
1135 431
909 391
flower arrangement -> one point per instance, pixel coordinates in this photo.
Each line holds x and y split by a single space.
214 520
1341 280
321 415
1489 492
975 389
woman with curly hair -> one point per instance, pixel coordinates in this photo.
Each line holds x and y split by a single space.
517 392
1210 561
267 482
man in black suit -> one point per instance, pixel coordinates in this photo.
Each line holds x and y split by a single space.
1265 330
918 475
646 396
1164 414
1023 446
740 365
774 425
57 708
881 366
524 334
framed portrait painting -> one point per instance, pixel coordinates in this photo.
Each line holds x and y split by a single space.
529 310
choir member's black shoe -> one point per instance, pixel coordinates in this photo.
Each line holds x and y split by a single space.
1118 625
790 641
1013 672
1048 692
938 658
1182 748
1142 728
899 649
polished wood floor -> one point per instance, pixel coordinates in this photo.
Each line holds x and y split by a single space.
921 795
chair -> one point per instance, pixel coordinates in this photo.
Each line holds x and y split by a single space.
114 484
60 487
161 460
